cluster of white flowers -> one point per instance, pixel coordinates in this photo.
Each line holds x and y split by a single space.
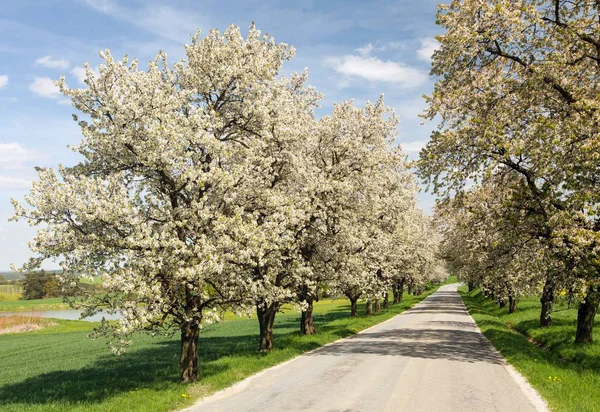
210 185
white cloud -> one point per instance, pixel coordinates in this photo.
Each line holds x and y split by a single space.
378 47
14 156
428 46
366 49
414 146
3 81
51 63
79 73
376 70
8 182
45 87
173 24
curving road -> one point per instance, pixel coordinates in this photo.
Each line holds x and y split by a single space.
430 358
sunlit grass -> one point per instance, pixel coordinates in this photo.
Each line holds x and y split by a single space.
566 374
33 305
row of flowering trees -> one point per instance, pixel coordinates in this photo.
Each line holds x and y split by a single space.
210 185
517 155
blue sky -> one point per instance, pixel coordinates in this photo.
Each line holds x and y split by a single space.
352 49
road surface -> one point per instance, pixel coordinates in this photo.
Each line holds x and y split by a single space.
430 358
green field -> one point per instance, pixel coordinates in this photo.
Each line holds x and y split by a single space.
566 374
11 289
33 305
59 368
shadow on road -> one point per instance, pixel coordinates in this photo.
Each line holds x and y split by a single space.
449 344
455 340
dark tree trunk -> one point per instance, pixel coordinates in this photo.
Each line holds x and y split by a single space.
307 324
266 318
386 300
353 306
585 318
512 304
395 294
409 288
398 290
377 305
471 285
547 301
502 303
369 308
188 361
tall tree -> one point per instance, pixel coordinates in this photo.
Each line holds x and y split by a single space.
517 92
171 156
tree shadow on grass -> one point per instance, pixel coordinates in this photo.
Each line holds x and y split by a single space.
155 366
106 377
515 344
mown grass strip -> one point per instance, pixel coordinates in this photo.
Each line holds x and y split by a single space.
565 374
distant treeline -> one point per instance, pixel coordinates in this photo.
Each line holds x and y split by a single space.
38 285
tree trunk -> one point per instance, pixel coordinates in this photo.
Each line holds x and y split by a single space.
512 304
409 288
547 301
377 305
398 291
266 318
369 308
307 324
471 286
502 303
188 361
353 306
585 318
395 293
386 300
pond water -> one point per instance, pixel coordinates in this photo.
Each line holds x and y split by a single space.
68 314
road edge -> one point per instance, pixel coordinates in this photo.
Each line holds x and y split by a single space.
529 391
241 385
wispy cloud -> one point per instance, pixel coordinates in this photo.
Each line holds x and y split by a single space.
414 146
51 63
173 24
80 75
9 182
368 48
14 156
376 70
45 87
3 81
428 46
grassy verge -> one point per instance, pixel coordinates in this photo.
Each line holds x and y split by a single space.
567 375
58 368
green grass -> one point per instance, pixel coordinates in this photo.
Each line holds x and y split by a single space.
33 305
58 368
566 374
